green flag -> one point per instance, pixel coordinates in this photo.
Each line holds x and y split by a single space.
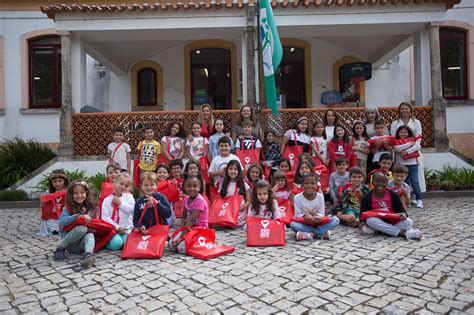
271 52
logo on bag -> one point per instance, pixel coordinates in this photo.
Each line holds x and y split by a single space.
58 200
264 232
283 211
143 244
291 156
247 160
224 209
202 243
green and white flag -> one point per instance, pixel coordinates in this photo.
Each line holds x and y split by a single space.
271 52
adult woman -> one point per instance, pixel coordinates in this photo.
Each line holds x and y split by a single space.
330 121
206 118
246 112
405 118
371 116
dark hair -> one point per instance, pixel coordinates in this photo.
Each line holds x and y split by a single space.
247 122
280 174
385 156
317 122
336 120
240 179
364 132
113 165
148 127
345 138
405 104
269 205
265 141
189 177
399 169
298 122
312 174
341 160
379 122
356 170
252 115
58 173
181 133
408 129
118 129
284 160
175 162
165 166
299 178
214 126
259 168
71 204
186 173
308 158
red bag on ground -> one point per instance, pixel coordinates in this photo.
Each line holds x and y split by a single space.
178 209
248 157
103 231
323 221
147 246
225 211
106 189
323 173
204 164
262 232
286 209
169 189
200 243
52 205
389 217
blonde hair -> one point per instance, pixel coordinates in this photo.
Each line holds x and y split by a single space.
123 175
148 176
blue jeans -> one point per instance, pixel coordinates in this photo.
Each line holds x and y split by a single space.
117 242
413 180
319 231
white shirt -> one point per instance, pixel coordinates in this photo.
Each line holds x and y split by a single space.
174 145
263 213
219 163
125 211
120 155
414 125
197 147
322 145
329 132
312 207
302 137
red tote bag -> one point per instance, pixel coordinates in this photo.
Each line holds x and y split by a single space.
323 173
106 189
402 142
323 221
286 209
262 232
225 211
248 157
200 243
169 189
161 158
52 205
292 153
103 231
389 217
204 164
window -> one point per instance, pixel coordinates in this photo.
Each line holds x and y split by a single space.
211 78
45 72
453 52
146 87
290 78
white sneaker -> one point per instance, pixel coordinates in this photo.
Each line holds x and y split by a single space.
366 230
327 235
419 203
413 234
301 236
413 201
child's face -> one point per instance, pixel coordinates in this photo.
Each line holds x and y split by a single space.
247 130
121 185
341 168
224 149
118 137
359 129
112 173
219 126
58 183
319 129
196 130
309 184
380 182
399 178
304 169
284 167
149 134
379 129
79 194
262 195
233 172
270 137
162 173
148 187
280 181
385 165
192 187
254 174
175 130
303 125
176 170
403 134
193 169
340 132
357 179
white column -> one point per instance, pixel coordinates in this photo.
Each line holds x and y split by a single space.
65 118
421 51
244 68
78 73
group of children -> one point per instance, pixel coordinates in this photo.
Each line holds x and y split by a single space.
213 171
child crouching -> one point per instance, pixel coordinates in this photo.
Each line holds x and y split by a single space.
348 210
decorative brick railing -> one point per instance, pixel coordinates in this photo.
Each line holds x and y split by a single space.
93 131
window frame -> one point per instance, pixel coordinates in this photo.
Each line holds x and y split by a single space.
286 63
139 81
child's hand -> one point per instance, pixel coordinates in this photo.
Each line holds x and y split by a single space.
143 230
222 172
276 187
403 153
403 216
116 200
87 219
150 200
121 230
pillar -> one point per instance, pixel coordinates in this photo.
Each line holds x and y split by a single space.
250 56
421 65
65 118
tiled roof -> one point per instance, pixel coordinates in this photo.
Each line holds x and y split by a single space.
52 9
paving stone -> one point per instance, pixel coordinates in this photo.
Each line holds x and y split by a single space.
438 308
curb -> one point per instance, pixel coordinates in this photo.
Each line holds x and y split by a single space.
19 204
448 194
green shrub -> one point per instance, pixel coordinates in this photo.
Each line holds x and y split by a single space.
13 195
450 178
18 158
71 175
97 180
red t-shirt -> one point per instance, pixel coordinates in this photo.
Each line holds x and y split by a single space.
382 204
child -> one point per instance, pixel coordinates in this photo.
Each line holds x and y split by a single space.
219 163
263 204
193 168
163 173
119 151
79 239
310 205
234 179
348 210
404 132
339 146
272 153
382 199
248 141
284 165
57 181
338 179
219 132
306 157
361 144
196 145
146 204
319 144
149 150
280 186
304 168
117 209
176 167
112 170
172 144
382 145
254 174
297 136
398 185
385 164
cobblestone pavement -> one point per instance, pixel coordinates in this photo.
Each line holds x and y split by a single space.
349 273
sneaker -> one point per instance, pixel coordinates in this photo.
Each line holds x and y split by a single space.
59 254
88 260
365 230
413 234
300 236
327 235
413 201
419 203
55 232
